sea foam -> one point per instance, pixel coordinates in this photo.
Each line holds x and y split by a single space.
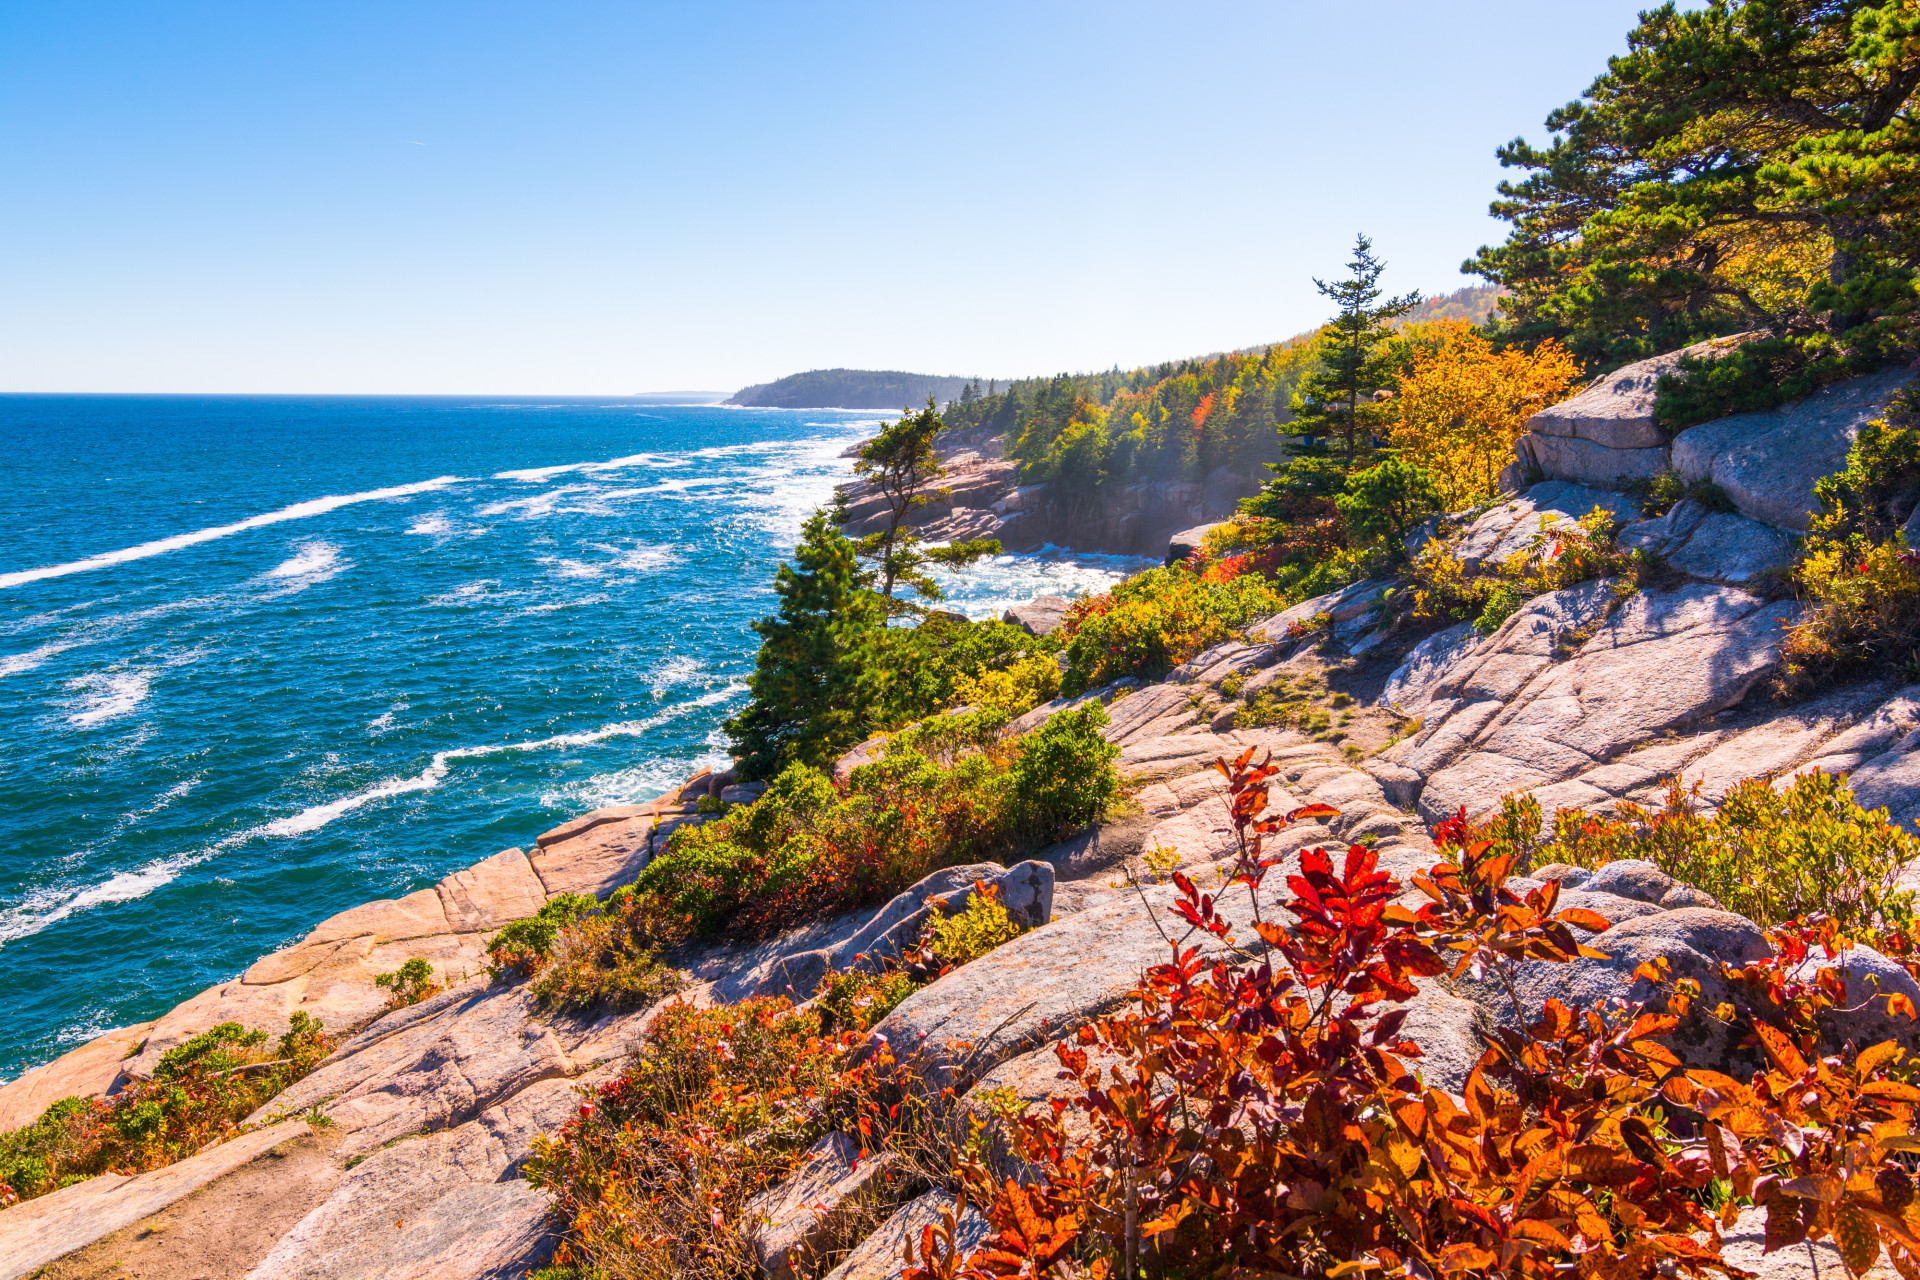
160 546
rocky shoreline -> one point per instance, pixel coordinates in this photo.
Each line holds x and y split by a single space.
1583 696
981 498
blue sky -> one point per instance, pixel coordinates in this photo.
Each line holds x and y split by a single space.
598 198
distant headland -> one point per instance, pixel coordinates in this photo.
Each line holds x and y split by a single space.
849 389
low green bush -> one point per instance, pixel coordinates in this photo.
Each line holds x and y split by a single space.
411 983
1156 620
199 1094
948 791
522 947
1772 856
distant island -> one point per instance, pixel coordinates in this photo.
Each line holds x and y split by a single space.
850 389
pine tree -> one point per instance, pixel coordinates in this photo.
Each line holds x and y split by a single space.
900 464
808 704
1336 400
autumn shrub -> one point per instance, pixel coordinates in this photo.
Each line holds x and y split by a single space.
1266 1115
951 790
408 985
1446 590
609 959
1463 403
522 947
1156 620
1015 689
1808 849
199 1094
1663 491
910 673
653 1177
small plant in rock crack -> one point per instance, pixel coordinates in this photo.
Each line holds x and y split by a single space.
1262 1116
408 985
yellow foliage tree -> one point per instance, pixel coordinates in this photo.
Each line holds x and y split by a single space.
1462 404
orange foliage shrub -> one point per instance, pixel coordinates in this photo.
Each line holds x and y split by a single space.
1264 1116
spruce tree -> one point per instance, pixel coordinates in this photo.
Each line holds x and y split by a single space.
1336 400
808 703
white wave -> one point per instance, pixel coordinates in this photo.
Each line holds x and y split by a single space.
630 786
177 791
470 593
677 670
312 819
563 568
309 560
50 906
14 663
108 695
379 724
611 464
431 526
646 559
298 511
573 603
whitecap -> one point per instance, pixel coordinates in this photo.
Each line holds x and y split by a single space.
536 474
48 907
108 695
14 663
160 546
431 526
630 786
315 560
317 816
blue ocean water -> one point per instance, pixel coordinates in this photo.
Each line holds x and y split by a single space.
265 658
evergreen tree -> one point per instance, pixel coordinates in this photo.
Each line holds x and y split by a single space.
1743 165
900 463
808 704
1336 401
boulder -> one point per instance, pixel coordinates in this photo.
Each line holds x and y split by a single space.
1025 890
1732 548
1864 1020
1187 541
1768 462
492 893
880 1255
1411 685
588 821
1040 616
1524 720
1633 878
1616 410
796 976
601 858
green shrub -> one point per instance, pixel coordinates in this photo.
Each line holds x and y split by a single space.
1156 620
199 1094
1862 584
1770 856
411 983
520 948
947 791
1384 503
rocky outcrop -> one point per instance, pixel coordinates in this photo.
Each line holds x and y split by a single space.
981 497
1766 463
1040 616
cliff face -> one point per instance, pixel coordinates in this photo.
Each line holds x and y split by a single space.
984 499
1584 696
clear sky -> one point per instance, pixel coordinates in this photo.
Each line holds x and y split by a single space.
596 198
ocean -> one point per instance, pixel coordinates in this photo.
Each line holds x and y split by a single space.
266 658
